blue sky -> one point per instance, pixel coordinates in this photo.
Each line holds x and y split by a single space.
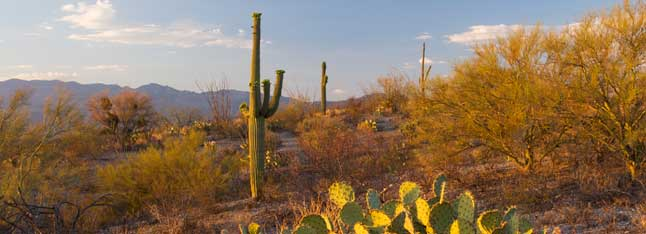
179 43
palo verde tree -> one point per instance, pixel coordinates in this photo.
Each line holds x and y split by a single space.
258 110
603 62
499 103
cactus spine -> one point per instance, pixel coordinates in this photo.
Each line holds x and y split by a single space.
423 77
257 110
323 86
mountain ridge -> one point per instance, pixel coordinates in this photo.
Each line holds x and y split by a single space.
162 96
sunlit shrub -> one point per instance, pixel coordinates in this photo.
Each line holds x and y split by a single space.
183 171
336 150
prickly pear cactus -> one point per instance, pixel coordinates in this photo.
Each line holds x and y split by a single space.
341 193
410 213
442 217
351 213
408 192
319 223
489 221
372 199
464 207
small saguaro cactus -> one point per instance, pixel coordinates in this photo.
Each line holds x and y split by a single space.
257 110
323 86
423 76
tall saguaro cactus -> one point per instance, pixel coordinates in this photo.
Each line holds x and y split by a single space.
257 110
423 77
323 86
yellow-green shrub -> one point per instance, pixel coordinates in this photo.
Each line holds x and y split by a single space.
183 171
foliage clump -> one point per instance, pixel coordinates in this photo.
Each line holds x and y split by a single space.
126 117
184 171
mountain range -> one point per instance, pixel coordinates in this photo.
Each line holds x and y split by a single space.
163 97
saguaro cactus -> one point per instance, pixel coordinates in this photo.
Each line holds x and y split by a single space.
257 110
423 76
323 86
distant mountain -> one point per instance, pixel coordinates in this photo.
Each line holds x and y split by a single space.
163 97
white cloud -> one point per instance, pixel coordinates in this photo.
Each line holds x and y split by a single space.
21 66
480 33
46 26
31 34
338 91
408 66
430 61
45 76
424 36
110 67
93 16
98 19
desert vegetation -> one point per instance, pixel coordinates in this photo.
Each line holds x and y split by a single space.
545 127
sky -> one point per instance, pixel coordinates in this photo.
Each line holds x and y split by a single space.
185 43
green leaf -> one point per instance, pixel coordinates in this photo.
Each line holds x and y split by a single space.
360 229
439 186
351 213
304 229
464 207
243 229
373 200
341 193
377 218
318 222
525 226
489 221
254 228
408 192
402 224
462 227
392 208
422 211
441 217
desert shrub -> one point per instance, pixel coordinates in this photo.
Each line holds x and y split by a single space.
126 117
602 64
14 121
367 125
354 110
391 91
181 116
42 177
182 172
501 101
335 150
287 118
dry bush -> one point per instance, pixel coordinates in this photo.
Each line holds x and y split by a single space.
392 91
182 172
218 96
125 117
356 109
42 187
287 117
181 116
336 151
14 123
